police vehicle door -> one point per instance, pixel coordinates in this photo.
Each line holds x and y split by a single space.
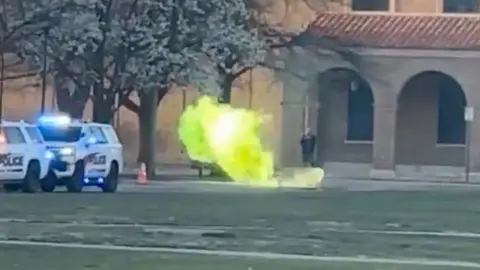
114 145
13 154
98 152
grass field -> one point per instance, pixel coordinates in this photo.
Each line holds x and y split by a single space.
438 225
81 259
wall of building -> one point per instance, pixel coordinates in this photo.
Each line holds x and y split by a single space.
297 14
421 6
404 131
416 132
332 127
416 127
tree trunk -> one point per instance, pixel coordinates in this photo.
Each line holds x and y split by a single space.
102 105
77 110
71 102
226 86
143 132
102 112
142 113
147 123
146 111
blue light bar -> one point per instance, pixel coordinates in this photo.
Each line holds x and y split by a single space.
55 120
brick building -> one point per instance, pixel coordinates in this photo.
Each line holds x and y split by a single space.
395 107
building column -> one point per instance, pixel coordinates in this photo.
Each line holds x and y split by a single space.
392 7
384 128
474 146
292 129
293 119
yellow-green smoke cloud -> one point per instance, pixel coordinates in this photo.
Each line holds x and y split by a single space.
229 137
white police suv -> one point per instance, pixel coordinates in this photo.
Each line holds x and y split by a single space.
24 159
85 154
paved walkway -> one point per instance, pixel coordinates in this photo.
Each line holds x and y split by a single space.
185 172
165 172
183 176
180 185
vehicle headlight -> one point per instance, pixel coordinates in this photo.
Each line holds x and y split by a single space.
49 154
67 151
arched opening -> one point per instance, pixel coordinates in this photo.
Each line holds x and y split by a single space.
430 121
344 117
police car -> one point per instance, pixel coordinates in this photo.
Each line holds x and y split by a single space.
24 159
85 154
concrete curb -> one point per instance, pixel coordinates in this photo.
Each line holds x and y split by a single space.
164 177
406 180
192 177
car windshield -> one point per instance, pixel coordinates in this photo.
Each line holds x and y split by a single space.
52 133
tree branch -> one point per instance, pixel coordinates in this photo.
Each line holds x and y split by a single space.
128 103
64 69
241 72
163 93
20 76
277 69
35 20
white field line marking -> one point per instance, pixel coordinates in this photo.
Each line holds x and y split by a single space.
132 225
406 233
221 229
423 233
258 255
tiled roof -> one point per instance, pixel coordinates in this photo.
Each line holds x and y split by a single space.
399 31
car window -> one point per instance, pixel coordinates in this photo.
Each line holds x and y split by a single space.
112 134
54 133
98 134
34 134
13 135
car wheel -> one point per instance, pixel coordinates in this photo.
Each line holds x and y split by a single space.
11 187
75 183
31 182
111 181
49 183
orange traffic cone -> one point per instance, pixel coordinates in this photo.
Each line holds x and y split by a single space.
142 175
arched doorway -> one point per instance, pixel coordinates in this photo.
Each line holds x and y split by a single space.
430 121
344 117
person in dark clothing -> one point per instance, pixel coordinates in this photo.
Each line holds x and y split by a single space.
307 144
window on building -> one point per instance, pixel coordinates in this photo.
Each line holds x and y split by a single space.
451 108
360 113
460 6
370 5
